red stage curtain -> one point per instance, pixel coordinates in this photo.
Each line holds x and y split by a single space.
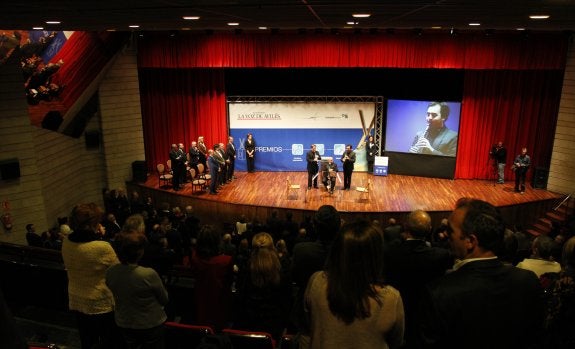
517 107
178 106
465 51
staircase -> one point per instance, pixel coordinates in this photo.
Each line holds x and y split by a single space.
559 214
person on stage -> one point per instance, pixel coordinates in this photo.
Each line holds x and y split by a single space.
312 158
521 164
231 153
437 139
250 147
370 153
329 172
499 155
203 151
194 156
214 169
348 159
176 157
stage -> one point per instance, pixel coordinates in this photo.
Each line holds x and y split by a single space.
257 194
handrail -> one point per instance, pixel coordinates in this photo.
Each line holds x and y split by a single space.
562 202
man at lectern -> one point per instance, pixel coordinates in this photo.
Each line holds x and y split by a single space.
312 158
329 173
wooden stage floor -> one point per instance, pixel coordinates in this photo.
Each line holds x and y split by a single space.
390 194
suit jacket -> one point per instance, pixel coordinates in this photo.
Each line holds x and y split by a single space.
444 142
231 152
370 151
483 304
312 161
194 156
348 164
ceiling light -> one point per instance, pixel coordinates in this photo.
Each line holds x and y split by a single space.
474 24
262 28
539 16
233 23
38 28
350 23
520 29
134 26
191 18
52 22
436 27
361 15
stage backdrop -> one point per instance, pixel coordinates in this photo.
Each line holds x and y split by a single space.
283 132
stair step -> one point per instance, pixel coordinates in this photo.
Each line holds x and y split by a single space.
546 220
541 227
555 216
533 233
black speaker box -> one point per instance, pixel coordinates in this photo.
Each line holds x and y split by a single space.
9 169
52 120
139 171
92 139
540 176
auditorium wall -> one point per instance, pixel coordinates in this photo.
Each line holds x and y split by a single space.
561 178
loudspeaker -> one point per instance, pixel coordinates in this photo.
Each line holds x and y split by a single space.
92 139
540 176
139 171
52 120
10 169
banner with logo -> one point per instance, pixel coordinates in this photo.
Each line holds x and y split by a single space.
284 132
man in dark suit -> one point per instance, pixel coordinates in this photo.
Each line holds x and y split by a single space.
348 159
231 154
214 170
177 157
411 264
312 157
482 303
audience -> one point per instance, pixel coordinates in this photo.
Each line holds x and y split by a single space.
348 303
541 260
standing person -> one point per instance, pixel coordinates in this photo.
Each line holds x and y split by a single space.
329 173
214 169
175 157
183 163
139 294
499 155
231 153
86 258
521 164
370 153
437 139
348 159
250 147
348 303
194 156
482 303
220 155
312 158
203 151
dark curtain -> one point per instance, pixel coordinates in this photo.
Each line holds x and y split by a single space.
178 105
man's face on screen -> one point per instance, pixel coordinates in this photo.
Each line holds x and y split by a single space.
434 118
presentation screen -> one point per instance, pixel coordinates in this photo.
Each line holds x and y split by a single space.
422 127
284 132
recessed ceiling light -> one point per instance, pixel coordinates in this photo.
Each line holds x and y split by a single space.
233 23
262 28
191 18
111 30
351 23
539 16
520 29
38 28
436 27
474 24
134 26
361 15
52 22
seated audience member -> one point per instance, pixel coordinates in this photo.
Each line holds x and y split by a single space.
560 301
541 260
482 303
440 237
139 294
508 253
213 273
33 238
264 290
348 303
411 264
392 233
228 248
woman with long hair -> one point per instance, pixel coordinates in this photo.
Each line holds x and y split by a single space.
348 303
264 289
250 147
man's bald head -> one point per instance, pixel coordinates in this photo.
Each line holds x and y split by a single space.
418 224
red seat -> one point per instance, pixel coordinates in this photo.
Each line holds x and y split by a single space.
249 339
180 336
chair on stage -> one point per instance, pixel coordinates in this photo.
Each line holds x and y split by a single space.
249 339
169 168
197 183
163 176
292 188
183 336
203 175
364 192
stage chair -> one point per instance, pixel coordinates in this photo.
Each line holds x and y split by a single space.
203 175
196 182
292 188
169 166
249 339
184 336
163 176
364 192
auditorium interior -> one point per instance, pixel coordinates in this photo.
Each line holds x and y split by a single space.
129 80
